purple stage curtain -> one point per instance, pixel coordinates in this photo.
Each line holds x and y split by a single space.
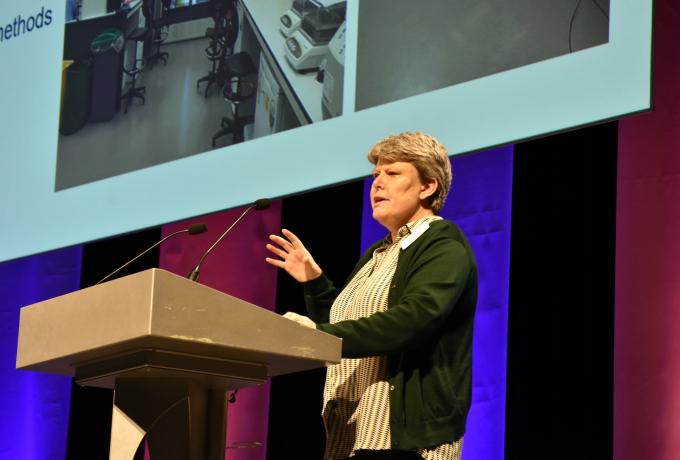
647 342
480 202
34 408
236 267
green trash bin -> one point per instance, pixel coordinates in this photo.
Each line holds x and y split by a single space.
107 73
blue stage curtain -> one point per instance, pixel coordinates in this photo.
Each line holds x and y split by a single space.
480 202
34 407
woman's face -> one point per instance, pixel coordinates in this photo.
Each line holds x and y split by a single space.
397 194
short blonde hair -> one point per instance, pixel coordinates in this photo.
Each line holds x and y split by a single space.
423 151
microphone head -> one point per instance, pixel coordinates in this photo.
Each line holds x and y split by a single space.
262 203
197 228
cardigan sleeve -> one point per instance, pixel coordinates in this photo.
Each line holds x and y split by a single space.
319 296
435 279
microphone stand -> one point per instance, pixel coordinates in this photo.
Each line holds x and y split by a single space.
195 272
194 229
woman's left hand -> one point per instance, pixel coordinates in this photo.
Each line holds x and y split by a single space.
293 257
300 319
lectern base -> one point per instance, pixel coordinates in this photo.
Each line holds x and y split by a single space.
181 419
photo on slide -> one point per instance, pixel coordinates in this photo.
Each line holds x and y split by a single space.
145 82
407 48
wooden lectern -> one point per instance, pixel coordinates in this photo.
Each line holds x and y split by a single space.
170 348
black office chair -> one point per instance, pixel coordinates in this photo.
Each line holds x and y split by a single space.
222 38
139 34
158 28
240 86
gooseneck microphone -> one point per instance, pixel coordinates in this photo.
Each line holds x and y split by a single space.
259 205
191 230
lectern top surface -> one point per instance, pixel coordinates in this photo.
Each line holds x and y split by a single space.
160 310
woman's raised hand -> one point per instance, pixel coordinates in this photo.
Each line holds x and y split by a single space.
293 257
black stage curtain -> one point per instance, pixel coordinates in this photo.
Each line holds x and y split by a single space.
561 313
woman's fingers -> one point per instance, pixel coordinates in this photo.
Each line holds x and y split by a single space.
275 262
284 243
279 252
291 236
292 241
300 319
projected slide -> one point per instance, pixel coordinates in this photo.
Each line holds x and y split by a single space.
127 114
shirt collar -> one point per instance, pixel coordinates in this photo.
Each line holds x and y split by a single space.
407 230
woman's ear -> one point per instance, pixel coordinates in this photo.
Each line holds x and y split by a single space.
428 189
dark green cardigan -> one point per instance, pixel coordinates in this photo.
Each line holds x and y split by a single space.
426 333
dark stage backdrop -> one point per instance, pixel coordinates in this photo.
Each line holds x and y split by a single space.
560 347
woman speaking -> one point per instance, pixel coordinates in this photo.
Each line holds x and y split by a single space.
403 387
